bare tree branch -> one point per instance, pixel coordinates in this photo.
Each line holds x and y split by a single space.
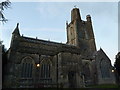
4 5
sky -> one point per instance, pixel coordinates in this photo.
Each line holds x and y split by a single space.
47 21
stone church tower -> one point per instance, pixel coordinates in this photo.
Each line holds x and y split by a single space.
80 33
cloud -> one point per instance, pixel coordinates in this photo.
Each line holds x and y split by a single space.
47 9
64 0
53 34
43 29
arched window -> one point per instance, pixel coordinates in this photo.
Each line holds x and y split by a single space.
104 67
45 69
27 66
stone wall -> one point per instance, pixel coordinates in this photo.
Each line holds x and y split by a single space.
67 63
104 68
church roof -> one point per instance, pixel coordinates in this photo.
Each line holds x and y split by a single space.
31 45
101 52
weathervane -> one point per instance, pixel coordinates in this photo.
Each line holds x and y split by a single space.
75 6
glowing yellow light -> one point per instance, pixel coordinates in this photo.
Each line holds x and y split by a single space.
112 70
38 65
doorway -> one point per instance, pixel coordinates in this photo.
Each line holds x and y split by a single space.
72 79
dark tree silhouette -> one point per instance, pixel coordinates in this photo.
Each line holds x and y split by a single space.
4 5
117 67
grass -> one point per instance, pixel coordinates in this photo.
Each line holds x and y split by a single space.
105 86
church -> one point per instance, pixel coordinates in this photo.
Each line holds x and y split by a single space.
36 63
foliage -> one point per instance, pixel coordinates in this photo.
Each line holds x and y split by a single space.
117 68
117 63
4 5
1 43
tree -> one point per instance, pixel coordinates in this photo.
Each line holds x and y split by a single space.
117 66
4 60
4 5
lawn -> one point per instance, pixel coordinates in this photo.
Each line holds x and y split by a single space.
105 86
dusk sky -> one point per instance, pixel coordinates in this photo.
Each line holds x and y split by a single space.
47 21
